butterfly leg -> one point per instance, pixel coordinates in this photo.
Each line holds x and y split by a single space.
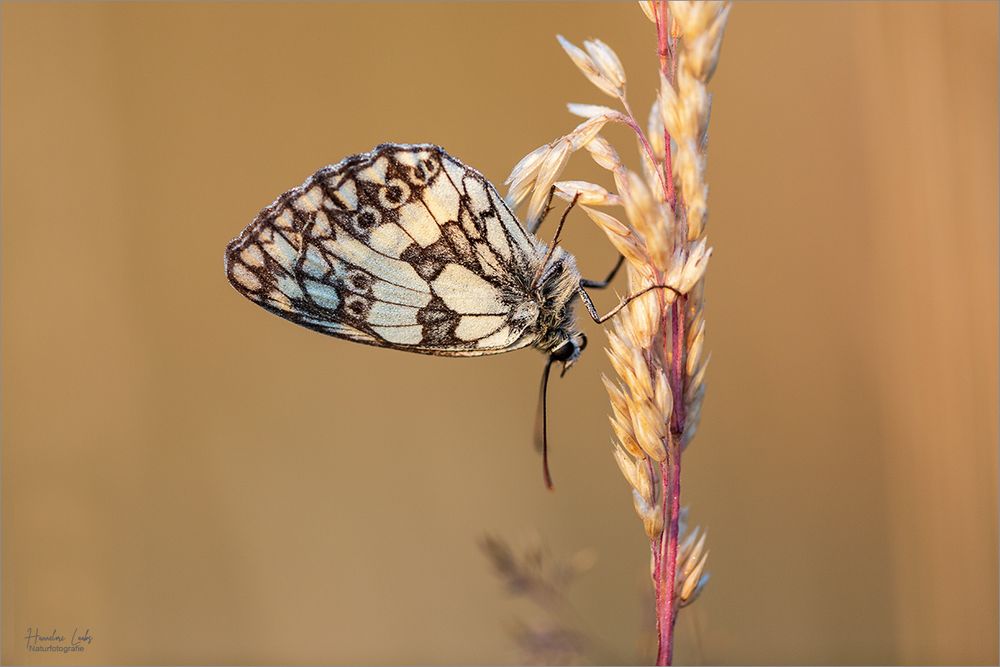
555 238
533 226
601 284
600 319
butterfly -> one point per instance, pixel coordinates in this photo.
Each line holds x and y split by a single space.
406 247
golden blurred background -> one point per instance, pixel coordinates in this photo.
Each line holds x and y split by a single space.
197 481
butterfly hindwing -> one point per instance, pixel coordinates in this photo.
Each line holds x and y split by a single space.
402 247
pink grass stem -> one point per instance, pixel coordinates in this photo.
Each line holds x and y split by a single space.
665 553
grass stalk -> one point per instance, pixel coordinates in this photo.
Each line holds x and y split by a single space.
656 344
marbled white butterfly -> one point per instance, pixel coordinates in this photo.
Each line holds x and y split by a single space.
405 247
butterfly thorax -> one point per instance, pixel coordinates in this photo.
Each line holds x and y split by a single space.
554 293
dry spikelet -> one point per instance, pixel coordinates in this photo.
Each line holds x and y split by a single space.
590 110
621 237
692 558
648 9
620 358
590 69
642 388
696 343
548 171
651 515
604 154
701 25
663 396
586 193
694 266
685 110
699 587
651 173
660 242
615 393
648 431
636 198
644 320
588 129
692 567
686 545
696 379
627 465
654 130
657 395
688 580
522 176
622 429
608 63
609 223
621 419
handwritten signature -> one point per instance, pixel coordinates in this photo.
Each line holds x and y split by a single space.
38 640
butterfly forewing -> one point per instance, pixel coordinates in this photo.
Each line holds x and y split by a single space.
403 247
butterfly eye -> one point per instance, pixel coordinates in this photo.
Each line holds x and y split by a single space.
583 342
564 352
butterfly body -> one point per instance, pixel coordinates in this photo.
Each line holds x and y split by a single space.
407 248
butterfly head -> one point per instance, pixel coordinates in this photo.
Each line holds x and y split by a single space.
569 351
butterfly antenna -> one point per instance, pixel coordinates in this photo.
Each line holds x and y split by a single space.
541 424
555 241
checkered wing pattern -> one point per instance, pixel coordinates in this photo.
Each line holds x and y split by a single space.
403 247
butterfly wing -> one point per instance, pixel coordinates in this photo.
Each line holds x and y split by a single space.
403 247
